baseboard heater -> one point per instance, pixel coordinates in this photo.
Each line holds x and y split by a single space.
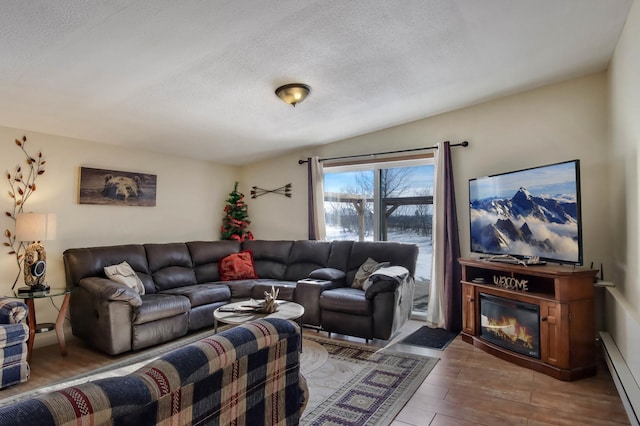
627 387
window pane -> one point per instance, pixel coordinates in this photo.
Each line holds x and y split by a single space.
405 211
348 198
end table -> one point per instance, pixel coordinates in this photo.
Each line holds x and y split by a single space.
34 327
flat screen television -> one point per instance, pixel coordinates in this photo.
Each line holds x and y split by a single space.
530 213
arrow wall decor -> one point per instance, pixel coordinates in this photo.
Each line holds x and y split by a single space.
283 190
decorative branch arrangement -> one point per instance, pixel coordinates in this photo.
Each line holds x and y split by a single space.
283 190
270 301
23 185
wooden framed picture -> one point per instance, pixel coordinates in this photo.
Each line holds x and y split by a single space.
114 187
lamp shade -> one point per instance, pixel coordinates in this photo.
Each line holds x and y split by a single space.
293 93
35 226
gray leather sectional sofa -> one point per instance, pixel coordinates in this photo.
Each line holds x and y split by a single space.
183 288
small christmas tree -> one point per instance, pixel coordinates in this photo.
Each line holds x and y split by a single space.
236 220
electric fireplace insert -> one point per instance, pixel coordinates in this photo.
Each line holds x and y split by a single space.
510 324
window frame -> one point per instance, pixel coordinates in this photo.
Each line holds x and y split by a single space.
376 165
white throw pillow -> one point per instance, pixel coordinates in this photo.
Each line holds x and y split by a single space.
124 274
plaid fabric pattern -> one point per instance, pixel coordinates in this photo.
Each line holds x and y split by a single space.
13 347
13 334
12 311
15 372
248 375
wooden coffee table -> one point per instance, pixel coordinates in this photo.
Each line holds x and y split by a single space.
286 310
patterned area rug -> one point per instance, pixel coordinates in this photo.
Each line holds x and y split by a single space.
359 384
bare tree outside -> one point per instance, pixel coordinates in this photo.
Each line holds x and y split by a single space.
424 214
395 182
404 209
406 212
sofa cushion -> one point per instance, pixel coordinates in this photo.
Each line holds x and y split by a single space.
205 256
340 255
365 270
346 299
306 256
237 266
241 289
269 257
170 265
174 277
90 262
202 294
159 306
123 273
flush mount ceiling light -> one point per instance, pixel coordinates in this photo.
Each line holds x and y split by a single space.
293 93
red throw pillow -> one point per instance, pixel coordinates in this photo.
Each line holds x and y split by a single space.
237 266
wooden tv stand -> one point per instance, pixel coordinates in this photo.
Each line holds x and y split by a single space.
567 324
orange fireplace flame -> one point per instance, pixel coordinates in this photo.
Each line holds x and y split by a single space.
507 328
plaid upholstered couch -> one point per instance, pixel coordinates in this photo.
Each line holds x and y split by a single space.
248 375
14 333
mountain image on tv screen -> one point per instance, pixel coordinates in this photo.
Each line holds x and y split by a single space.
533 212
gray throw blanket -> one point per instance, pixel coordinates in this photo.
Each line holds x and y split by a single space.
396 273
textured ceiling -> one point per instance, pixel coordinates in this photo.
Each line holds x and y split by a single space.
197 78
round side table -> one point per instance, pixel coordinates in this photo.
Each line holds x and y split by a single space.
34 327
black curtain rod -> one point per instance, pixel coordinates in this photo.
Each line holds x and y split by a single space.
463 144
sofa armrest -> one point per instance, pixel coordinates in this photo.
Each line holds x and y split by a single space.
12 311
385 280
328 274
381 286
308 293
105 289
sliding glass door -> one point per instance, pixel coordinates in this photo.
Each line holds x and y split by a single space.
384 202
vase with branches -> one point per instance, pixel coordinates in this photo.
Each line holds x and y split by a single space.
22 184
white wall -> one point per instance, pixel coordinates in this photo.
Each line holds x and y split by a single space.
189 205
623 305
550 124
273 216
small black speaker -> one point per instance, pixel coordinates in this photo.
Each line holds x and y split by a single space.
38 269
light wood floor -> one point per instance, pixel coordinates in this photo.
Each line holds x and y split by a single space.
466 387
471 387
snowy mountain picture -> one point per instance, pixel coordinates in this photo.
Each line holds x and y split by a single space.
533 212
